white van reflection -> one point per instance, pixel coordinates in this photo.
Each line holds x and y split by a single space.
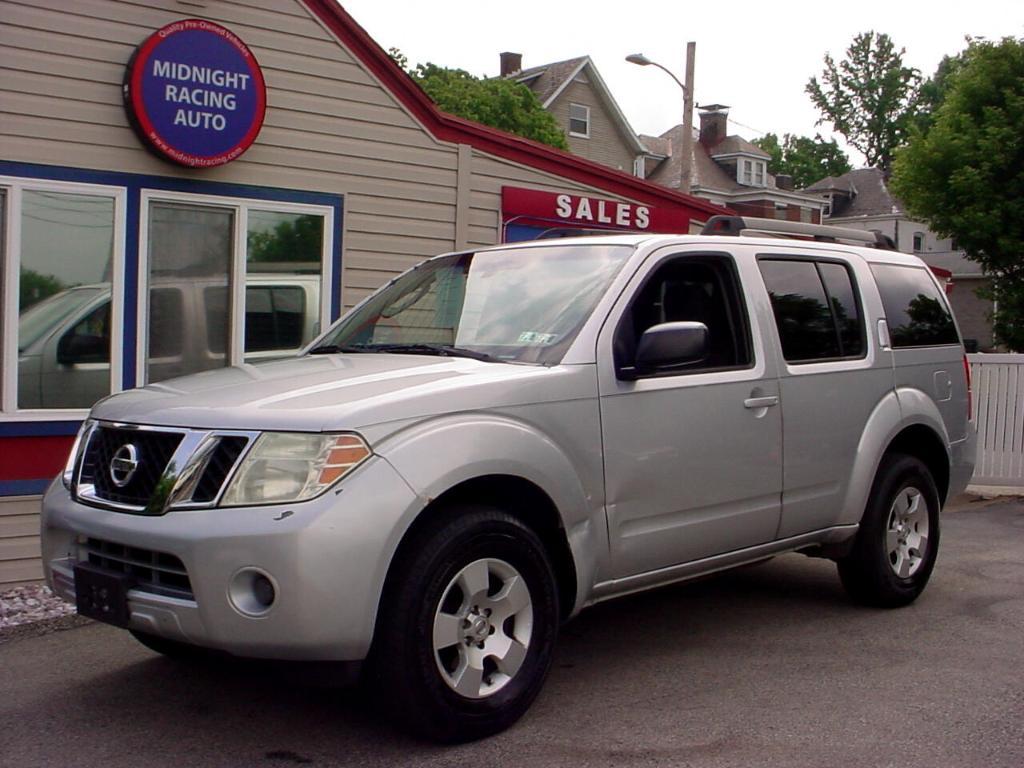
64 340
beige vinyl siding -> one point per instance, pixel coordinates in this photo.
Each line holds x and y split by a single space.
490 174
606 144
19 540
329 127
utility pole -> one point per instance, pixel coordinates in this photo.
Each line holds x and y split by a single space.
686 163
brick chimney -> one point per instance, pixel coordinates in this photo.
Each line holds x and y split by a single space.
714 120
510 63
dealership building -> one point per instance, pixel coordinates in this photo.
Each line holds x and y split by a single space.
186 185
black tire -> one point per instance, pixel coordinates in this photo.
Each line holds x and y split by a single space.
172 649
889 566
416 682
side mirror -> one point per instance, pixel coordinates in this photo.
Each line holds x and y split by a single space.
670 345
72 349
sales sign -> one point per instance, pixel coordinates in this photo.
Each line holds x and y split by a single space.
195 94
538 207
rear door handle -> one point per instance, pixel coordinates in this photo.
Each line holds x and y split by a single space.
761 402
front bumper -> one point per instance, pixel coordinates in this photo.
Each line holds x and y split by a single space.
327 559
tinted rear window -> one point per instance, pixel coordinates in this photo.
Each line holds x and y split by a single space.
915 310
815 308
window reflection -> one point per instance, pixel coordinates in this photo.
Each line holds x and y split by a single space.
284 252
190 250
67 251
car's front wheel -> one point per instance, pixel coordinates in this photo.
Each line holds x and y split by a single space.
467 625
898 541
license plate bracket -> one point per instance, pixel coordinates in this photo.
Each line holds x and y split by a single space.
102 595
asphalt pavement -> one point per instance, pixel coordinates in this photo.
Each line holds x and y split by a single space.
769 665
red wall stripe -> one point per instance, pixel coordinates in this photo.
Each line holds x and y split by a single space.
33 458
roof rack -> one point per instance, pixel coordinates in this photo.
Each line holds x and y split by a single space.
748 225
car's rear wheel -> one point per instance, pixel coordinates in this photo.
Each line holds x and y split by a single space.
898 541
467 625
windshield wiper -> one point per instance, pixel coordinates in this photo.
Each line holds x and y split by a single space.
333 349
442 350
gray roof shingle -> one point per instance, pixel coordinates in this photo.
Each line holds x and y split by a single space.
546 79
863 192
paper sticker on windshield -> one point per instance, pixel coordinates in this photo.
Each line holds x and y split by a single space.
532 337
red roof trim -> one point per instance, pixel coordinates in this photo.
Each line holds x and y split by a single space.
459 131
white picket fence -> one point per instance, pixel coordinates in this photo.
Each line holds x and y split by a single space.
999 404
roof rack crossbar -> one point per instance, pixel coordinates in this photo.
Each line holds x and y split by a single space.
748 225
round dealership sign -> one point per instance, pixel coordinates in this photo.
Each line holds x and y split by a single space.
195 93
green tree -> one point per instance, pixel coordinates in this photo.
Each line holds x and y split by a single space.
496 102
933 91
807 160
298 240
34 286
965 175
869 97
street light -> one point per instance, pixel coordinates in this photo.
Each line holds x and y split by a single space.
643 61
687 148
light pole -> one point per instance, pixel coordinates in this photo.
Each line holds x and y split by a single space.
687 149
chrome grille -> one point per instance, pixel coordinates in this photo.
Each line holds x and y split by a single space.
149 470
222 461
156 572
154 450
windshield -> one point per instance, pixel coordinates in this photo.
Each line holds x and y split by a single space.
39 319
522 305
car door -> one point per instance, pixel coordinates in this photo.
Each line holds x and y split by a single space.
832 376
693 454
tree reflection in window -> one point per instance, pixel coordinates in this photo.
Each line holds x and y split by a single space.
928 323
815 308
915 309
805 327
293 244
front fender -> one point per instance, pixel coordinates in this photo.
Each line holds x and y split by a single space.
438 455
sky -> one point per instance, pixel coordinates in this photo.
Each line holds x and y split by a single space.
755 57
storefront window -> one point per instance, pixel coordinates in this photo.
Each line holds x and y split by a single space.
190 248
284 253
64 294
222 279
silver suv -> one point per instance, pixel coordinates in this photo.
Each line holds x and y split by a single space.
497 439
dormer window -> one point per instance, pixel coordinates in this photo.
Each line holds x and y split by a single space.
579 121
751 173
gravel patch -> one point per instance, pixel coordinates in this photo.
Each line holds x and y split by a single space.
29 604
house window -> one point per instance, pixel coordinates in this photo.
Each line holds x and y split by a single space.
579 121
918 242
953 245
751 173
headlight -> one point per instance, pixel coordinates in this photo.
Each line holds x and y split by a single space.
284 467
68 476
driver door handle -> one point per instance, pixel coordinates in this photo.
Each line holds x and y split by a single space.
761 402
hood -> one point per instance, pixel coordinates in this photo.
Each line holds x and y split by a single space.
330 392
